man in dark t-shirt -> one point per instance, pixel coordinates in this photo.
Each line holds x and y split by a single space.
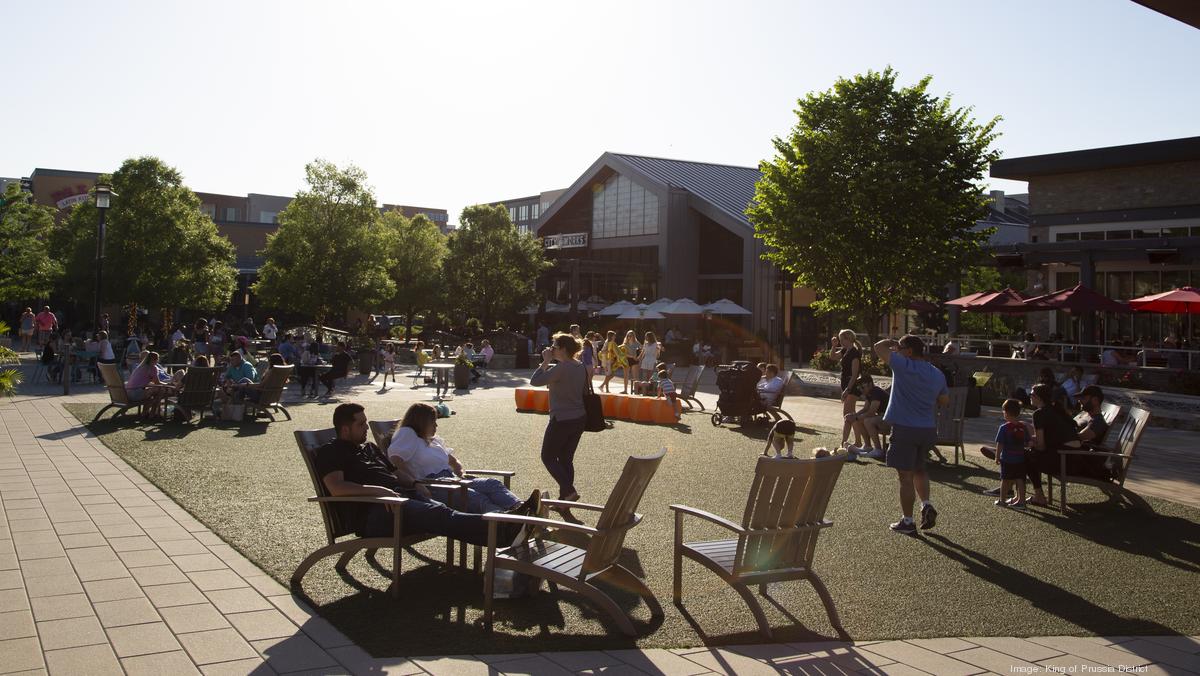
1092 429
348 466
340 363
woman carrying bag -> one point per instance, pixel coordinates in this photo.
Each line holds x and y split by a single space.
567 381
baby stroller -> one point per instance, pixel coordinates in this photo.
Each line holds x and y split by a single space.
738 393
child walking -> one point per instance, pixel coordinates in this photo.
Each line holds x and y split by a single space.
1011 440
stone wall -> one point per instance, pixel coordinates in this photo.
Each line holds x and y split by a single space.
1154 185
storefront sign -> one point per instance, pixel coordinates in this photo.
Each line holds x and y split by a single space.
573 240
71 201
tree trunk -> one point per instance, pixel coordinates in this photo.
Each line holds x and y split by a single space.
131 323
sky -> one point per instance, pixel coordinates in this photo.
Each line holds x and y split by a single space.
457 103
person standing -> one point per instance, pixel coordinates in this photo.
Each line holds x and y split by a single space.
270 331
611 356
847 348
650 353
543 336
918 388
46 323
633 356
566 381
26 331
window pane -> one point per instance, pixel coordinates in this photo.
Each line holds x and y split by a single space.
1146 233
637 208
1174 279
623 207
1094 235
1067 237
1175 232
1119 234
1145 283
1119 285
651 213
610 206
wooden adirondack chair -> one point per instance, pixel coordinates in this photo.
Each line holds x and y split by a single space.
577 568
1122 448
309 441
118 398
383 430
777 539
199 390
950 424
687 390
270 393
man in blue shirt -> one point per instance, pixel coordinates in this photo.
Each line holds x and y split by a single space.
287 348
918 388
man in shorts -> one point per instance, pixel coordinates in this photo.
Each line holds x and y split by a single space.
918 388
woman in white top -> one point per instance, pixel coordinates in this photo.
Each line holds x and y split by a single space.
418 452
650 350
634 352
105 348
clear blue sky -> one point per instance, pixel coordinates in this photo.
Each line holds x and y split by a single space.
450 104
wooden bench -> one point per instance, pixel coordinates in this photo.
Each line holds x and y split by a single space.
1122 449
616 406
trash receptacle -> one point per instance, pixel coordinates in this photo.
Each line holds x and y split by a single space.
974 403
366 362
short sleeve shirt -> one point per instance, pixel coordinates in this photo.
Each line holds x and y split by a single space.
880 395
364 465
1097 423
848 358
341 363
422 458
1011 442
916 386
1058 428
45 320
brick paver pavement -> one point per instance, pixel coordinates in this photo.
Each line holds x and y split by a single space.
100 572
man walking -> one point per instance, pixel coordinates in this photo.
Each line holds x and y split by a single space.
917 388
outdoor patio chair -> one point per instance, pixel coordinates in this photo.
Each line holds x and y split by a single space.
579 568
118 398
776 412
309 441
1110 412
687 389
777 539
950 424
270 393
1121 451
199 391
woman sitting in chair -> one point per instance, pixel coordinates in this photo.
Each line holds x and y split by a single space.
146 386
419 453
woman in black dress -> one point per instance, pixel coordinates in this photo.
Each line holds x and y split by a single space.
849 352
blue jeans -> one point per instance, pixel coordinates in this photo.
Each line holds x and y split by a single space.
558 452
483 495
422 515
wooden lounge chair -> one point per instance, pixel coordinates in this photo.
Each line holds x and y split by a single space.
309 441
950 424
777 539
199 391
270 393
687 390
776 412
1122 448
118 398
578 568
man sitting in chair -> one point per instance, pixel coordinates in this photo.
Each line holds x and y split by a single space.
770 386
237 378
349 466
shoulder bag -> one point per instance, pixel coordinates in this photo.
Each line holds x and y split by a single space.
594 408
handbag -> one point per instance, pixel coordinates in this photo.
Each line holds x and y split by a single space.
594 409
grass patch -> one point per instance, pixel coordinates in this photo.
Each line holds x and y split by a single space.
984 571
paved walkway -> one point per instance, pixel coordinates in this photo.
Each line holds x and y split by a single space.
100 572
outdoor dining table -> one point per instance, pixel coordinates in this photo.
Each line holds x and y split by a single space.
441 376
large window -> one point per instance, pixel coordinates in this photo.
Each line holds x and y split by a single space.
622 208
523 213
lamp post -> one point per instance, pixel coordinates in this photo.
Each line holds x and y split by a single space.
104 195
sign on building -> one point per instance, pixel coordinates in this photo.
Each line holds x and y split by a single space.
573 240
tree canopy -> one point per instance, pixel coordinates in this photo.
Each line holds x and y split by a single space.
491 267
160 250
872 197
418 250
332 251
26 268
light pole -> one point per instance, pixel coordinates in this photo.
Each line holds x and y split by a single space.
104 195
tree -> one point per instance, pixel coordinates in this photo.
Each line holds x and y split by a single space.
331 251
872 197
26 268
491 268
160 250
418 249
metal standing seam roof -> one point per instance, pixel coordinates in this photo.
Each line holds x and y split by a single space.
729 188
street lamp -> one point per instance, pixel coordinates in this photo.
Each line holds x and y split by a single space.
104 195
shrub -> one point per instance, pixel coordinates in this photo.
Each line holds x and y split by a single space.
9 379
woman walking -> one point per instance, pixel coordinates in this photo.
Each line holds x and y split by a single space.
611 356
566 382
849 352
27 330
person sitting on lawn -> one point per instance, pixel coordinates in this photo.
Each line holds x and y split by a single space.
419 454
350 466
868 422
770 386
239 374
341 368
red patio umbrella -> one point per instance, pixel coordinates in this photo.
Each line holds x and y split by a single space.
1006 300
1181 301
960 302
1075 300
921 305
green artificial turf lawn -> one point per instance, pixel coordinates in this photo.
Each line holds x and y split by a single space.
984 571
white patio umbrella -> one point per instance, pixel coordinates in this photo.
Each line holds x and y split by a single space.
615 309
726 307
661 304
639 312
685 307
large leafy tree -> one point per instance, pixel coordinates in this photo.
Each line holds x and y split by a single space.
872 197
491 268
26 268
418 251
331 251
160 250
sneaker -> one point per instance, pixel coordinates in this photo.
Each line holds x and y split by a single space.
1001 503
858 450
1019 506
531 507
988 452
928 517
877 454
905 526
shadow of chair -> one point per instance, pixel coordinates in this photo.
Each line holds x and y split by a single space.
777 539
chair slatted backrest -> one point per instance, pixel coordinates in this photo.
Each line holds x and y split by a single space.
273 384
383 430
947 429
620 512
690 381
786 494
199 387
1110 411
112 383
783 392
1127 439
309 441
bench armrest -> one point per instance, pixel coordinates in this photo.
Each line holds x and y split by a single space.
708 516
573 505
501 517
1103 454
378 499
490 472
